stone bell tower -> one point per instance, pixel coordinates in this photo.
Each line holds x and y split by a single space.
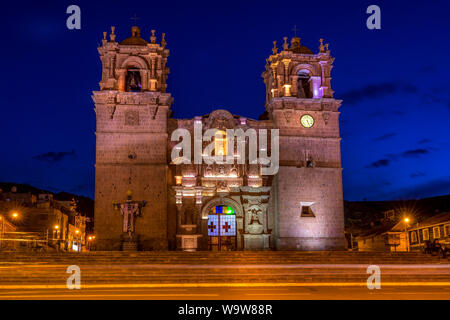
299 101
132 108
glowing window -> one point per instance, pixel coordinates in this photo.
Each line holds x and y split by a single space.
425 234
220 143
222 221
228 225
222 210
436 233
213 225
413 236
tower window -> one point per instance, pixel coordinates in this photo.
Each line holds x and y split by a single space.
133 81
306 209
304 85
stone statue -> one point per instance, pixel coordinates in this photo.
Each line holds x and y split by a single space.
130 210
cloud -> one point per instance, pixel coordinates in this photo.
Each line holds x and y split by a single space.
379 163
55 156
412 153
428 189
423 141
429 98
375 91
417 175
385 136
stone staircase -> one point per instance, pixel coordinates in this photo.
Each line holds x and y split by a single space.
207 257
219 267
129 246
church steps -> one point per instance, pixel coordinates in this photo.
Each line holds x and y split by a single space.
207 258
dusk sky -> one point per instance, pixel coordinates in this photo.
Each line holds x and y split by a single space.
395 118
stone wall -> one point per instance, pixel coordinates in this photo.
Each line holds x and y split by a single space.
131 156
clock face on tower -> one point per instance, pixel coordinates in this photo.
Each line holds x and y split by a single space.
307 121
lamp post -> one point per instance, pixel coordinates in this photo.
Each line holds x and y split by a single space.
55 235
89 242
1 233
77 232
406 220
15 216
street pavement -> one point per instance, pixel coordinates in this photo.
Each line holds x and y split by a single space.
34 280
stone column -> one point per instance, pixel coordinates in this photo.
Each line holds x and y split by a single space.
294 88
122 76
179 218
144 80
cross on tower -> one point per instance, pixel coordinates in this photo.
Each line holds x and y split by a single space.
135 18
295 30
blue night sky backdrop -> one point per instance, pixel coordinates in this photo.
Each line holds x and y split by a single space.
394 82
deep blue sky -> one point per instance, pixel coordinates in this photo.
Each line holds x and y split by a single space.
394 82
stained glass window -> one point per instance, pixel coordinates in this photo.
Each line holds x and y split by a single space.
222 210
228 225
213 225
223 217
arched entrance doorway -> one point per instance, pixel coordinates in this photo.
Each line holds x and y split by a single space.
222 228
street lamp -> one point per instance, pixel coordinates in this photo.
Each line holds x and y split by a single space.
15 215
90 240
1 232
406 220
55 231
76 237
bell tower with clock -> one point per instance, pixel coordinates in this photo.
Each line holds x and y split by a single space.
308 187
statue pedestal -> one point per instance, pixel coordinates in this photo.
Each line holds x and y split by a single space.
129 243
189 242
256 241
188 238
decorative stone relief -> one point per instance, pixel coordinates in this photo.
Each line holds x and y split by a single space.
288 114
132 118
326 117
254 216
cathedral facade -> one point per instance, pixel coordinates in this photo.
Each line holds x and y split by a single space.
147 200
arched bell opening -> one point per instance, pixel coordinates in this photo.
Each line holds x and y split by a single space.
133 81
304 83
